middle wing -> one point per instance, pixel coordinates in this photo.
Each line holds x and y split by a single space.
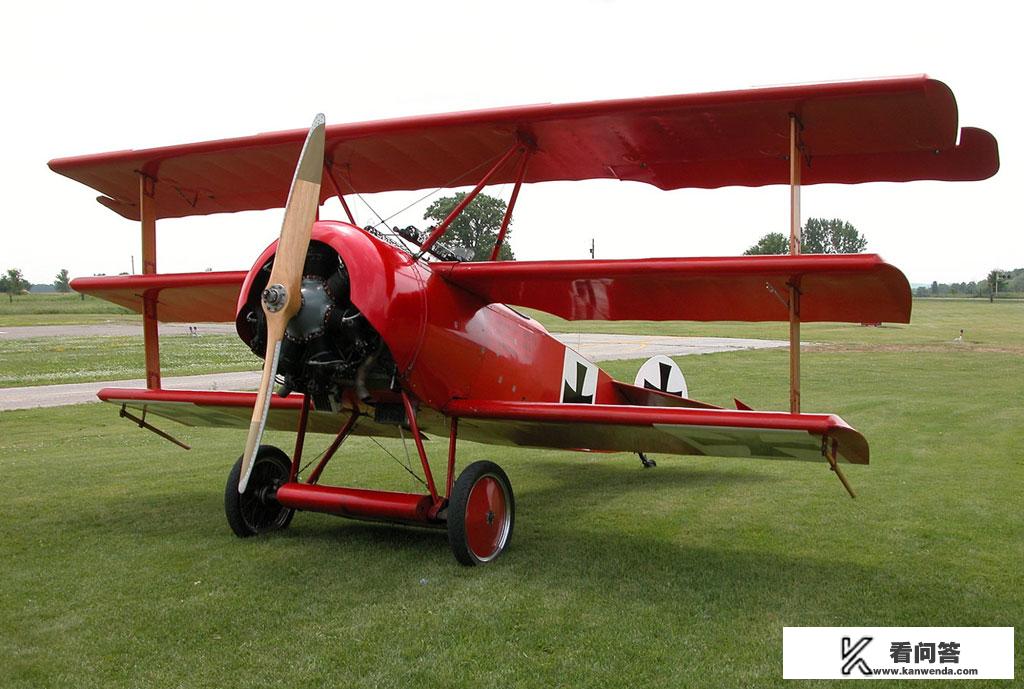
180 297
850 288
672 430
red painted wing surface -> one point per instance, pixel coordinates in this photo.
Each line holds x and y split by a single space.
892 130
180 297
672 430
856 288
231 409
609 428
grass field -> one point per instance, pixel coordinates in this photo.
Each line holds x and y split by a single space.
934 321
997 327
53 308
119 569
49 360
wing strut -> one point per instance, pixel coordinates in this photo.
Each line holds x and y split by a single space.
150 329
125 414
337 191
829 448
795 164
443 227
520 173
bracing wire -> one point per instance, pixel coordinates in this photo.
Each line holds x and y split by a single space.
441 188
383 221
398 461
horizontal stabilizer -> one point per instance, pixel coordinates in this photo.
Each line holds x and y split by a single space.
848 288
180 297
646 397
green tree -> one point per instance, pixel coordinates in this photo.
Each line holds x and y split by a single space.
835 236
818 236
996 279
1017 281
62 282
475 229
14 283
771 243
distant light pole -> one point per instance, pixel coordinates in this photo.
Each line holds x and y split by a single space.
591 247
1000 276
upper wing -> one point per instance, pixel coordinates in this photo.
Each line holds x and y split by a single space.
857 131
673 430
204 297
855 288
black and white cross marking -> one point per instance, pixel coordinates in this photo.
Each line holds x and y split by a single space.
661 373
579 379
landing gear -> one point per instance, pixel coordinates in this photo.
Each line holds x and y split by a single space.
256 510
481 513
648 463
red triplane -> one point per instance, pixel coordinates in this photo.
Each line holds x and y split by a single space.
389 334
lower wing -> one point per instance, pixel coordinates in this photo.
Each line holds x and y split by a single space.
224 409
603 427
672 430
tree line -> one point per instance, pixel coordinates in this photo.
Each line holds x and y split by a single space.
13 282
995 283
837 236
817 236
476 229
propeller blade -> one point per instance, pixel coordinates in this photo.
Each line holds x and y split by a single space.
282 297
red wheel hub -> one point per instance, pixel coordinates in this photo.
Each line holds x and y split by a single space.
487 518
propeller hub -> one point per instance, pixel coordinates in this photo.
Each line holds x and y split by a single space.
274 298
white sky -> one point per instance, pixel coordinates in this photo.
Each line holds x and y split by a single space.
88 77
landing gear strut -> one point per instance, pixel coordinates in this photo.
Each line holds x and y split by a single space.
477 509
648 463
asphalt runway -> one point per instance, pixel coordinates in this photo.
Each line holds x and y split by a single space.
593 346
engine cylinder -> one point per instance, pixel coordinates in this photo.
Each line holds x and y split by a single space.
329 346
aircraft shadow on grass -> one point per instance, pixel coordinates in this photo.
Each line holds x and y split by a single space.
670 566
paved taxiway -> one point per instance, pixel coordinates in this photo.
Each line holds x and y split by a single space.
593 346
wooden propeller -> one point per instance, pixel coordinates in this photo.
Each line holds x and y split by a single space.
282 297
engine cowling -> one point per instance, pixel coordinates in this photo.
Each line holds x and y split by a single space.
329 348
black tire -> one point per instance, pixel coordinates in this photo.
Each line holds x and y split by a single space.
480 530
253 512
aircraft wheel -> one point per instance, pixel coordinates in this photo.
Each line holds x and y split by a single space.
255 511
481 513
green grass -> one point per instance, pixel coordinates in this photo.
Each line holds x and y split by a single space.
933 322
41 361
118 568
60 309
50 360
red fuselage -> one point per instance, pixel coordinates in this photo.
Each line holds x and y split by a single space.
447 343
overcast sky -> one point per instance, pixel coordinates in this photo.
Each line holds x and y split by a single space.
91 77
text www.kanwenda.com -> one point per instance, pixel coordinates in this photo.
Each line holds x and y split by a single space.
905 671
